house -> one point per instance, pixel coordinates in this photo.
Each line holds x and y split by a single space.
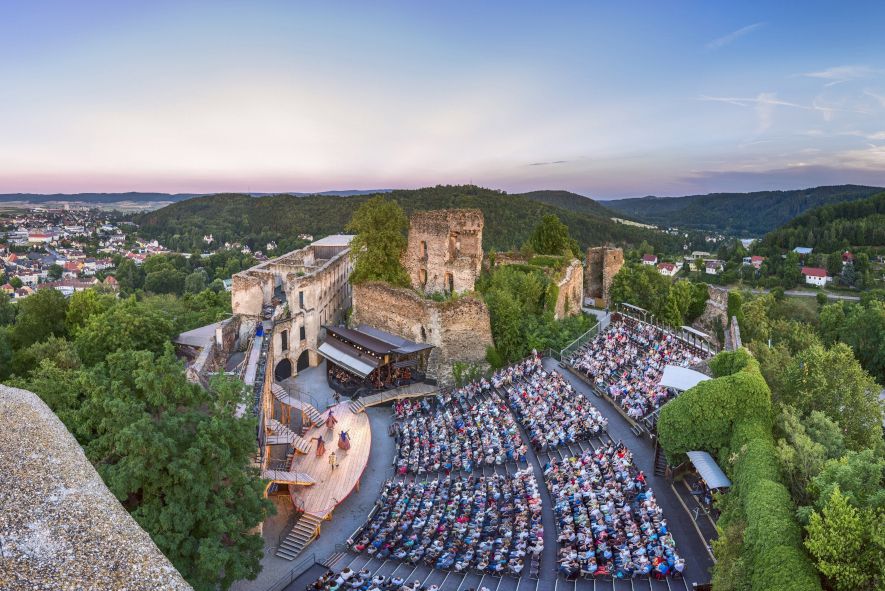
847 258
713 267
815 276
649 259
668 269
700 254
111 282
7 289
803 250
754 261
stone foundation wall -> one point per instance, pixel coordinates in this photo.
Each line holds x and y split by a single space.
570 297
715 314
459 329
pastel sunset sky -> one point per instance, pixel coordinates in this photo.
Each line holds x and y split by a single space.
607 99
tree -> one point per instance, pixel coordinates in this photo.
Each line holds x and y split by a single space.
756 325
833 382
800 457
551 236
127 326
859 476
40 316
846 545
165 280
7 310
178 458
83 305
377 247
195 282
55 272
643 286
129 276
57 350
16 282
834 264
5 352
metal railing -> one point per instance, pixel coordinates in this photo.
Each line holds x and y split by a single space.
299 569
578 342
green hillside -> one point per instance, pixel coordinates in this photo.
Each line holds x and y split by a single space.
740 214
831 227
509 219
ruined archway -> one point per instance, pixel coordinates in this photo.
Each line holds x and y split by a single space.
283 370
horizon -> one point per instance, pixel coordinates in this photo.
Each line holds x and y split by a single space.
607 102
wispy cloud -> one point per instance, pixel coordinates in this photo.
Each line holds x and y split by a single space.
880 98
734 36
551 163
764 103
840 74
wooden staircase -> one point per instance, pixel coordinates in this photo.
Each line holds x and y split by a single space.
356 406
315 416
284 477
660 462
281 434
303 533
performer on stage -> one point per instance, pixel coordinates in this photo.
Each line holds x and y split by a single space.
321 446
331 421
344 441
333 460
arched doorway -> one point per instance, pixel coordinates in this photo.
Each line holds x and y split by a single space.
303 361
283 370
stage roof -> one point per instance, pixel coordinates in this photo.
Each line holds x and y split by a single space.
377 341
709 469
681 378
349 358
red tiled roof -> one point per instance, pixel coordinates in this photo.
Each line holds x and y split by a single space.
814 272
649 257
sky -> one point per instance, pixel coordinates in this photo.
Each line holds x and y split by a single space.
607 99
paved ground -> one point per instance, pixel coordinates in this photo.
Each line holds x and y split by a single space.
353 511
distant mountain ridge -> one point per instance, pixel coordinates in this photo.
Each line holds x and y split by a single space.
509 218
141 197
751 214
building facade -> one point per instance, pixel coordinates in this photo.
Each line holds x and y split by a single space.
298 293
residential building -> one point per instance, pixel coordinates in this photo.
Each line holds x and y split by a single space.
815 276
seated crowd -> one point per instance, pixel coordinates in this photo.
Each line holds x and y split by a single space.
626 361
491 524
609 523
461 434
551 411
363 580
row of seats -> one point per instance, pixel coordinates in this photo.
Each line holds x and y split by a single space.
489 524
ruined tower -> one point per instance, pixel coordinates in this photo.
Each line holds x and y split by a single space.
444 254
603 263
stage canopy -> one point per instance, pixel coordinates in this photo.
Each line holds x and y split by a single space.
376 341
709 469
681 378
351 359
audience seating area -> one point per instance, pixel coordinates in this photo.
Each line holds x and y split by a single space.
488 524
458 431
608 522
626 361
550 410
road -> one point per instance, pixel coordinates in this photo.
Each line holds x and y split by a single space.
811 294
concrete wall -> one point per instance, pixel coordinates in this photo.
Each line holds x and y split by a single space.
459 330
603 263
570 296
444 251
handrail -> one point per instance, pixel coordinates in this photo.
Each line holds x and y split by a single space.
299 569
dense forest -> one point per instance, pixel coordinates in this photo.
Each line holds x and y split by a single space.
739 214
831 227
508 218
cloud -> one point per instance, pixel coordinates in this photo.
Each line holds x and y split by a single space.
733 36
880 98
550 163
764 103
840 74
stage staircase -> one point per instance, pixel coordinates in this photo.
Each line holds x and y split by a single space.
281 434
287 477
315 416
305 530
660 462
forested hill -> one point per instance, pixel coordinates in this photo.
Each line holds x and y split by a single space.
832 227
509 219
572 202
741 214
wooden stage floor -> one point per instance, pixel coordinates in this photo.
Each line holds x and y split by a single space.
333 486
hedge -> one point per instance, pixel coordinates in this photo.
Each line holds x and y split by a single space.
731 416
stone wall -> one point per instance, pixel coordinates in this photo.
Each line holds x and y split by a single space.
61 526
250 290
570 296
444 252
603 263
715 314
459 329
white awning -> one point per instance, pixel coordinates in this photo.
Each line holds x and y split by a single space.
709 469
681 378
352 363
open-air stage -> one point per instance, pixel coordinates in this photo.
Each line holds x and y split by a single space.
333 485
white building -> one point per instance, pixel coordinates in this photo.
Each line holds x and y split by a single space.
815 276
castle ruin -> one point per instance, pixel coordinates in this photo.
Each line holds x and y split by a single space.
444 252
603 263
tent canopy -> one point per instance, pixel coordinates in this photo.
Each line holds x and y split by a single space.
681 378
709 469
349 358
